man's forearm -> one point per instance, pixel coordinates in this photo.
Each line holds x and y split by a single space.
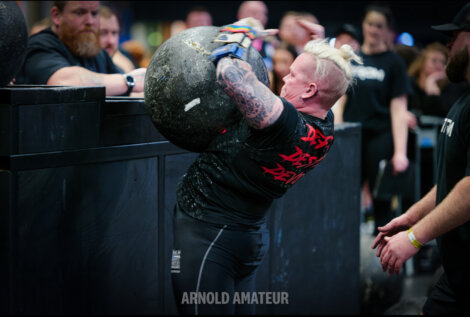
452 212
79 76
421 208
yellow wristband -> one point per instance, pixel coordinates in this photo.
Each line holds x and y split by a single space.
416 243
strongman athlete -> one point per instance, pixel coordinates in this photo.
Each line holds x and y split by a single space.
220 237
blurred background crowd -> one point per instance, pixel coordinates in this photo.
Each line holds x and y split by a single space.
145 25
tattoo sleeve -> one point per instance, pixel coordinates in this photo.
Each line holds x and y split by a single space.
257 103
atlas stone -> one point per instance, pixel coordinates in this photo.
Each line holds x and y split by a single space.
13 40
182 95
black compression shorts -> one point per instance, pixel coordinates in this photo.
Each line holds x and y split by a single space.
211 263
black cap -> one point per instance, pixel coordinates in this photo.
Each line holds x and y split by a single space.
348 29
461 22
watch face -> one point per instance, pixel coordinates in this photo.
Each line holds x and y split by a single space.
130 80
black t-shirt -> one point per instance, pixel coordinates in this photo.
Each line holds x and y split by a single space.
46 54
381 78
453 165
236 179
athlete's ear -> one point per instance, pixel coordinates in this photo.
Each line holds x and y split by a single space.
312 91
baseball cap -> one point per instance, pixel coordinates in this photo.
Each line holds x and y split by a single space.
348 29
460 22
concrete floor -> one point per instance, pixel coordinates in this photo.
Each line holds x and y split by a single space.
414 295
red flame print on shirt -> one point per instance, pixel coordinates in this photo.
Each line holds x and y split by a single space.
300 159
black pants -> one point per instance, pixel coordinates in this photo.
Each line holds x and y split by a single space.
214 263
442 300
376 147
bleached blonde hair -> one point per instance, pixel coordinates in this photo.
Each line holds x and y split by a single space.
341 57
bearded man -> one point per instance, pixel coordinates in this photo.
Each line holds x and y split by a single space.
444 212
69 53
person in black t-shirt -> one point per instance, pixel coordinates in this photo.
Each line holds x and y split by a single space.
378 101
444 212
220 235
69 53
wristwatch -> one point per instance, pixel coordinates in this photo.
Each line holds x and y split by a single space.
130 83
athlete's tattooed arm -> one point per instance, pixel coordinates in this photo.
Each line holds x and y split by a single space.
258 104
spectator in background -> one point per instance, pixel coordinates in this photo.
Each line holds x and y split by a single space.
40 25
109 39
138 52
254 9
283 57
177 26
347 34
391 36
69 53
295 29
433 93
379 103
259 11
408 53
198 16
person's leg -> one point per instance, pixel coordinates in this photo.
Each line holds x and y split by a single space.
377 148
245 285
248 264
441 299
204 278
366 196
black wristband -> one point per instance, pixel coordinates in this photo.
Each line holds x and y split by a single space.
130 82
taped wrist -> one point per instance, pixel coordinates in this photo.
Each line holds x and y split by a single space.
238 38
233 50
